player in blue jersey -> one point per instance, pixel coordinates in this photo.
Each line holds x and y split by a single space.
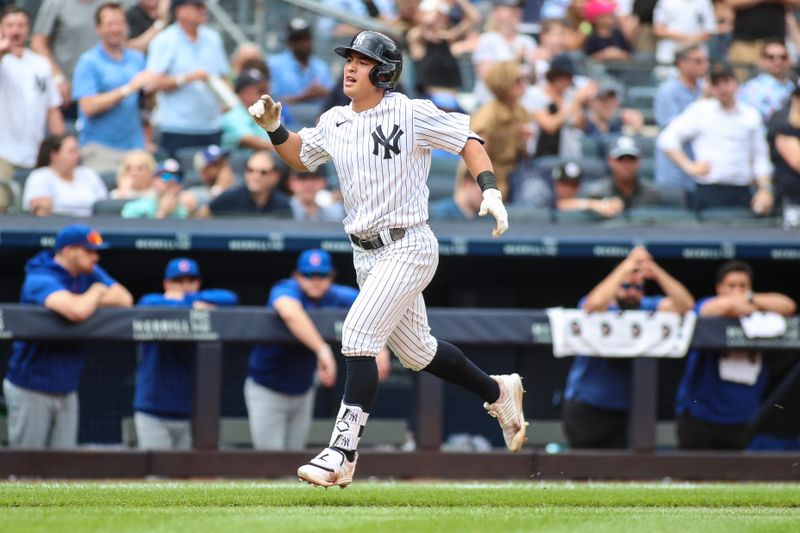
280 387
164 378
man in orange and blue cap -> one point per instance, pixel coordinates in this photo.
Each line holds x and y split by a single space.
42 380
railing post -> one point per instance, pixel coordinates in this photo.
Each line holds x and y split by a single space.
207 396
642 416
430 408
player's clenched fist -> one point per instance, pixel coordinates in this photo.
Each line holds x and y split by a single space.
493 203
266 112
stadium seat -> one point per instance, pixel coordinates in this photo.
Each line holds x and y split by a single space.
521 213
20 176
647 168
670 196
441 186
443 163
578 217
640 97
593 168
185 156
726 215
736 216
109 177
112 207
661 215
592 147
631 73
646 144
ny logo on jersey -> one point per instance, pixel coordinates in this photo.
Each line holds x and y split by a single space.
389 144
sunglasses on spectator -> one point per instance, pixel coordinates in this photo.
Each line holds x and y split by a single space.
169 176
774 57
262 171
637 286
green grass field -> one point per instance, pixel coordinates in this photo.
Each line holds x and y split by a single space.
404 507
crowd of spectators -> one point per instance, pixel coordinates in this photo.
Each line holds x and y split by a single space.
701 91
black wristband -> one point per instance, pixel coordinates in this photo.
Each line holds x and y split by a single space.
279 136
487 180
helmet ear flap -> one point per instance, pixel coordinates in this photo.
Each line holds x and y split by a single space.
385 75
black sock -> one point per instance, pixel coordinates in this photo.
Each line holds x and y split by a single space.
361 383
451 365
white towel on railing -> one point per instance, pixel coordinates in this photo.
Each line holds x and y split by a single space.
620 333
763 324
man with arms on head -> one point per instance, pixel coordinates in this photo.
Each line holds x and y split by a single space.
29 99
597 395
42 380
164 379
259 195
381 147
720 392
185 56
106 85
673 96
730 148
279 390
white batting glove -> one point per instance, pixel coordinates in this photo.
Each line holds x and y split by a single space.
493 203
267 113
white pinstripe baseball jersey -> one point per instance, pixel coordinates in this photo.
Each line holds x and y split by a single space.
382 157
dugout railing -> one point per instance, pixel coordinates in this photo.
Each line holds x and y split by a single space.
212 329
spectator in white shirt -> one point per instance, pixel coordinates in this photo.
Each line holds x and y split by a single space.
730 148
679 23
502 43
29 100
59 186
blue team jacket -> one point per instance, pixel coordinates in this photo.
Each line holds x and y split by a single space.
707 397
50 367
289 369
164 376
604 382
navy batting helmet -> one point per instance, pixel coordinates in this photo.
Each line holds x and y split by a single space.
382 49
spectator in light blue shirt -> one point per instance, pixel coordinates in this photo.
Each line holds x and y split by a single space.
300 80
673 96
239 131
186 55
770 90
106 85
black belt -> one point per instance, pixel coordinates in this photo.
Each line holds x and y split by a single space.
375 242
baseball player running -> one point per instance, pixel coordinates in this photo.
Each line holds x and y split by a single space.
381 146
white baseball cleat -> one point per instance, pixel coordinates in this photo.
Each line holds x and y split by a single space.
508 410
329 468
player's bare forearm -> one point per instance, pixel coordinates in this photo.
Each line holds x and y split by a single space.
476 158
290 151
